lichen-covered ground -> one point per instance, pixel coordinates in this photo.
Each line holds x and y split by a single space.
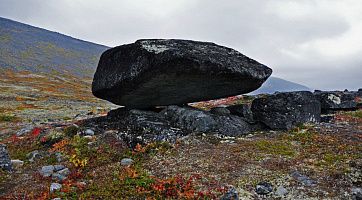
44 113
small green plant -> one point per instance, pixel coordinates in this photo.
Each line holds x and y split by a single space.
71 131
356 114
8 118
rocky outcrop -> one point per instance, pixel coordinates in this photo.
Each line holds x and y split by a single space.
158 72
339 100
195 120
5 162
282 111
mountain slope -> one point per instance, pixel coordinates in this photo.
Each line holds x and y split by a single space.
24 47
274 84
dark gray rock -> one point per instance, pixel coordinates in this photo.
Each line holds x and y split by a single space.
140 126
34 155
55 187
61 174
242 110
47 171
126 162
281 191
356 193
305 180
338 100
5 162
263 188
195 120
158 72
220 111
282 111
232 194
359 92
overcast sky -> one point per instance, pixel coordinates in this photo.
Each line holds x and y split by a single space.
317 43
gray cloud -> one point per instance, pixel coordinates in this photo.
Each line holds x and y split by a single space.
313 42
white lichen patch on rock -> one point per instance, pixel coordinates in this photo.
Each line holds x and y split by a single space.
153 47
335 99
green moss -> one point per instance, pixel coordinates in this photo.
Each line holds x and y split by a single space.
303 136
275 147
356 114
8 118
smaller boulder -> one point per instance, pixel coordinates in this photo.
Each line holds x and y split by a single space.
281 191
195 120
282 111
89 132
55 187
338 100
126 162
5 162
232 194
303 179
34 155
263 188
17 163
61 175
47 171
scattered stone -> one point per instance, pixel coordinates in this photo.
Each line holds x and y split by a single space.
220 111
195 120
61 175
47 171
305 180
59 156
232 194
263 188
55 187
24 131
282 111
126 162
64 172
356 193
34 155
58 167
159 72
5 162
281 191
17 163
89 132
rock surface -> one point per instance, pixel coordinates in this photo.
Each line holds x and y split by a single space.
155 72
195 120
5 162
242 110
338 100
263 188
282 111
55 187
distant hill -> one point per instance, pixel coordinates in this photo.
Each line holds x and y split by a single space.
25 47
274 84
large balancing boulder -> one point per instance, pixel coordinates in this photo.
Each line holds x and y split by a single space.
282 111
158 72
